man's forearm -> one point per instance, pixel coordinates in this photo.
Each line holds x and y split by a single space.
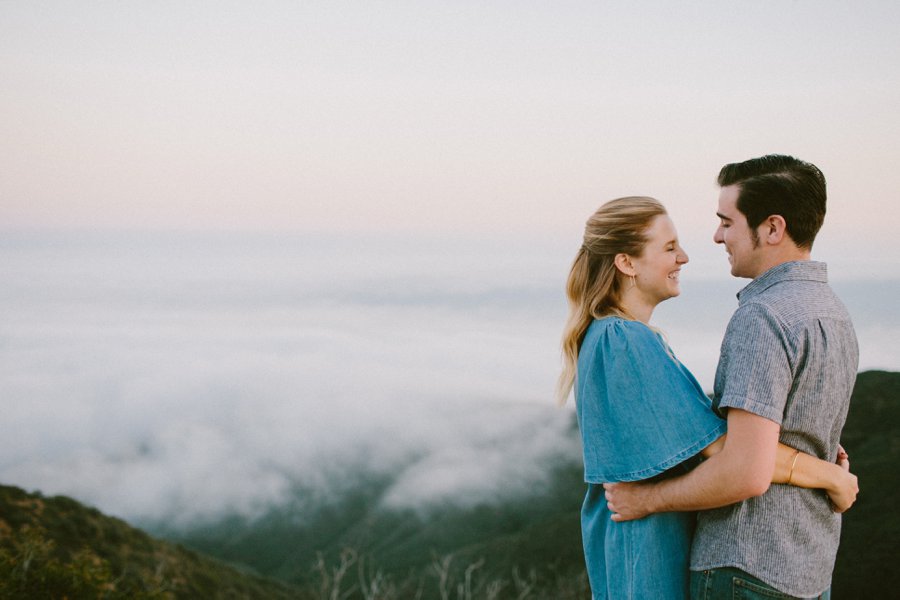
714 483
742 469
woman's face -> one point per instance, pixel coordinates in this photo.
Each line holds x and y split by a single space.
658 267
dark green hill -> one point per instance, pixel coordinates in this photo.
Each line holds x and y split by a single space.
58 548
870 538
533 543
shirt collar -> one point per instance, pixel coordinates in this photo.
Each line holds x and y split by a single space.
799 270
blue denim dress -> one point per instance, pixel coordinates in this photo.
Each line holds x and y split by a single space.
642 415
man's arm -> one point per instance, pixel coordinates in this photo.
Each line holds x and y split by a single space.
743 469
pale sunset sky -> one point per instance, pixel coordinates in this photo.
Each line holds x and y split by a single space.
475 117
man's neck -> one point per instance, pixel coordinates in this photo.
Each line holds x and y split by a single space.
780 256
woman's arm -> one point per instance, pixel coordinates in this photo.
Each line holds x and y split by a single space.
804 470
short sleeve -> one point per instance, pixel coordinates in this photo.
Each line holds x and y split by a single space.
754 371
639 410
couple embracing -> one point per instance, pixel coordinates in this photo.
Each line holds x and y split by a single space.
738 497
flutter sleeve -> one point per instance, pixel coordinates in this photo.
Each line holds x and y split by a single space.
639 410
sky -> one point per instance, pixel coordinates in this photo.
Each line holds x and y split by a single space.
489 118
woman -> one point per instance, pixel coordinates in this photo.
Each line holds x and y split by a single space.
642 415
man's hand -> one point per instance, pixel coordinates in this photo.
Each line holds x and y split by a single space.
629 501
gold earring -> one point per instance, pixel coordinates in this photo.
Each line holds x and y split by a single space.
633 281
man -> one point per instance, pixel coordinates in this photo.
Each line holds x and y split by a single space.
787 367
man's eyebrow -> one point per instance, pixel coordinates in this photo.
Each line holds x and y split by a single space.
723 217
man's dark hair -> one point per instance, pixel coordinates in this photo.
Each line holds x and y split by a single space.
779 185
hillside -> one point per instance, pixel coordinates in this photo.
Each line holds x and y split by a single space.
526 548
58 548
533 543
870 538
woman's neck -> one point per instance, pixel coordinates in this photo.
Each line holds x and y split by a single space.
635 306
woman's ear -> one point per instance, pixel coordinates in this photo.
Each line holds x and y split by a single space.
623 264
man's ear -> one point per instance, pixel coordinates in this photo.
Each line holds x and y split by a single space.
623 264
773 229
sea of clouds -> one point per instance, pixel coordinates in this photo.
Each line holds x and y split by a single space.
183 377
186 377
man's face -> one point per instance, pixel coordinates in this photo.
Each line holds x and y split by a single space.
741 243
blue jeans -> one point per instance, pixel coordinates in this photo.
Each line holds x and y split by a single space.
728 583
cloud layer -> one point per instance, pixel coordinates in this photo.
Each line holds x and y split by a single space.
158 381
182 378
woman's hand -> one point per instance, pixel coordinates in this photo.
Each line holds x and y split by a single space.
845 486
843 459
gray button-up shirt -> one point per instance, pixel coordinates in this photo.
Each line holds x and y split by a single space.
790 355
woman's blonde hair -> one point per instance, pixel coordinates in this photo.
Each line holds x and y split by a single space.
593 288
